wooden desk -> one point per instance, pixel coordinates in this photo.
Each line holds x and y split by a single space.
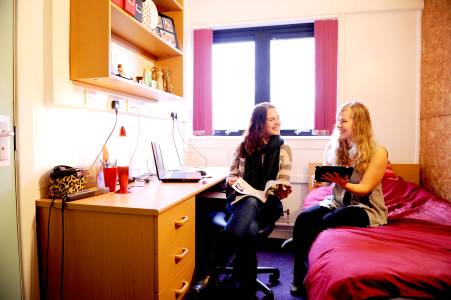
139 245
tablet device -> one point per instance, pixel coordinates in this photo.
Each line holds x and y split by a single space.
342 171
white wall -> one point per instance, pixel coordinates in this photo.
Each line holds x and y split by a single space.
378 64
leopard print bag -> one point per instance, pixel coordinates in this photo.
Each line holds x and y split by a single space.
65 180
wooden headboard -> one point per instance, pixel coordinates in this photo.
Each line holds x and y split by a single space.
409 172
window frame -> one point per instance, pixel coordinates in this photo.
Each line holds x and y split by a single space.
262 37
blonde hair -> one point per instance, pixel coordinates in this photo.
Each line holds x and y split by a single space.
362 146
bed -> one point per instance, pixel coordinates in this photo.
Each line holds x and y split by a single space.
410 257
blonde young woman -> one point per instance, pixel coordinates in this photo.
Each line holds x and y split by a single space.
356 201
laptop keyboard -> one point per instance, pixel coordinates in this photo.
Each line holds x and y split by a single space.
173 173
176 174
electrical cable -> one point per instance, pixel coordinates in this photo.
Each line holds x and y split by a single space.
63 203
175 145
46 279
138 135
189 145
101 149
135 186
146 177
148 169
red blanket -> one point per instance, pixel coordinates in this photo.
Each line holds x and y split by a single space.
409 257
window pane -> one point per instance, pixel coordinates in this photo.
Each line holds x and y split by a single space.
293 81
233 86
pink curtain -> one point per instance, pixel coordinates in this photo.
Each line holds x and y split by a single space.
326 52
202 106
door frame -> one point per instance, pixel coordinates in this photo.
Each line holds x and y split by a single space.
12 283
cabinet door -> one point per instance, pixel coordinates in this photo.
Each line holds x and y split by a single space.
176 242
179 285
106 255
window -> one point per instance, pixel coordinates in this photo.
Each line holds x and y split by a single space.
233 84
253 65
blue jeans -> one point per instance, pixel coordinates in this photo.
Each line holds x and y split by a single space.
311 222
243 219
247 215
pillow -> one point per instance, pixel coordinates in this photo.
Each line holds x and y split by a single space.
316 195
389 173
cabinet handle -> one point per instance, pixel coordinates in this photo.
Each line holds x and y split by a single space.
179 257
182 221
183 290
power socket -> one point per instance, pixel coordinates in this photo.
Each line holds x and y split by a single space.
115 104
173 115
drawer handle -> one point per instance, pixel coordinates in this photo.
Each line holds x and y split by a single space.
182 221
183 290
179 257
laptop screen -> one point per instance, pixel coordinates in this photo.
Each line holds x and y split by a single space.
159 166
172 176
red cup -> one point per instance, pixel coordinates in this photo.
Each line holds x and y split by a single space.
110 177
122 173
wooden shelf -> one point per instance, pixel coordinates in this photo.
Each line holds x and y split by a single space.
95 24
130 87
164 5
132 31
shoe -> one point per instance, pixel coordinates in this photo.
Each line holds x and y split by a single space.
200 286
287 244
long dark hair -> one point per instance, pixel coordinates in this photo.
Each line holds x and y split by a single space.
253 137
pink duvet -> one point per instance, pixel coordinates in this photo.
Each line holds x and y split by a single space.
409 257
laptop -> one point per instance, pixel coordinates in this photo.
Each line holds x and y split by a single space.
171 176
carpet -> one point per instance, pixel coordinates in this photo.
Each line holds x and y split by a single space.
270 254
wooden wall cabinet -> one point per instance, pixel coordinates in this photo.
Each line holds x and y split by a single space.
94 25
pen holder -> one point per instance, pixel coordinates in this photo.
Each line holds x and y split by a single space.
110 177
122 173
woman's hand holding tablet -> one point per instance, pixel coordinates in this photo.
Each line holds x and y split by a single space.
330 173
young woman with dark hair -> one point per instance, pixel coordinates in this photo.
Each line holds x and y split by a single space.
260 157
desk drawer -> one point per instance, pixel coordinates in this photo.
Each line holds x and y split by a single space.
179 285
177 257
174 223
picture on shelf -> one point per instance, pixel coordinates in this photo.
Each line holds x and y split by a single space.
168 24
166 30
160 22
168 37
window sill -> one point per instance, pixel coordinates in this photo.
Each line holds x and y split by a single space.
286 138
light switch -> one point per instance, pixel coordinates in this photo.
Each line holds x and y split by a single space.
4 151
5 140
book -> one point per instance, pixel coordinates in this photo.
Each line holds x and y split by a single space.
245 189
340 170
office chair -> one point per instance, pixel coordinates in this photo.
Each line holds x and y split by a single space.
219 220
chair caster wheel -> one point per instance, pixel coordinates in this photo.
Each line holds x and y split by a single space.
274 278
